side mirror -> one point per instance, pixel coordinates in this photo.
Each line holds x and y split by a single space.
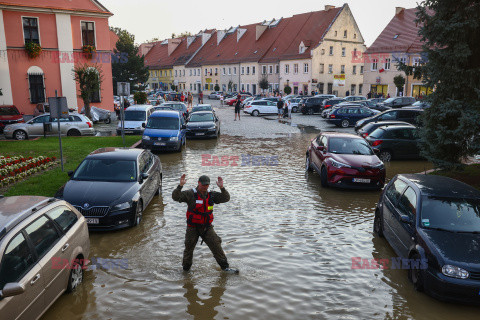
70 173
143 176
406 219
12 289
320 148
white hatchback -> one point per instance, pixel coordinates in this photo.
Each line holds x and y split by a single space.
256 108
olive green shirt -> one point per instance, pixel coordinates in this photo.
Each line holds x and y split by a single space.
188 196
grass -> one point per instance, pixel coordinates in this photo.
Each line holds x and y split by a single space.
75 149
470 175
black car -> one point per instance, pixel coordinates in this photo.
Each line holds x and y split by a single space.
397 102
203 124
201 107
434 222
372 126
395 142
329 103
407 115
112 186
311 105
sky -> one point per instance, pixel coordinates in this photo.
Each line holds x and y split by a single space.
148 19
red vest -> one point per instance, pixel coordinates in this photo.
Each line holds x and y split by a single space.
202 215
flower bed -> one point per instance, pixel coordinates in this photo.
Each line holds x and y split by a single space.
13 169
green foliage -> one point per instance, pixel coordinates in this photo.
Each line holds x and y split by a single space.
263 83
399 82
450 30
131 69
287 89
217 87
89 80
140 97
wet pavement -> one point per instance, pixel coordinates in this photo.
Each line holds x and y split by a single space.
292 240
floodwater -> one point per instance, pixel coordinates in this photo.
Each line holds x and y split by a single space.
292 240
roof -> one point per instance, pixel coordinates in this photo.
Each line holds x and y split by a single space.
400 35
115 153
158 57
165 113
77 5
139 107
341 135
440 186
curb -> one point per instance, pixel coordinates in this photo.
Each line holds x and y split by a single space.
136 144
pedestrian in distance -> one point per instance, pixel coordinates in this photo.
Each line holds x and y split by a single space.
289 107
238 103
221 99
200 203
190 100
280 107
200 97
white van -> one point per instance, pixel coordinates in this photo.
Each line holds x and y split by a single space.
136 118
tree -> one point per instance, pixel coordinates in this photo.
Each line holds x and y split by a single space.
140 97
287 89
217 87
450 32
130 67
89 80
263 83
399 82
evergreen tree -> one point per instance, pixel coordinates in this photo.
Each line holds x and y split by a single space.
450 30
127 65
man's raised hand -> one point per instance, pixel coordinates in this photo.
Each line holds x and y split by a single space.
183 180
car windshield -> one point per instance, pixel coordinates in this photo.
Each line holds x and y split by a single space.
389 100
349 146
135 115
106 170
8 111
451 214
164 123
201 117
202 108
177 107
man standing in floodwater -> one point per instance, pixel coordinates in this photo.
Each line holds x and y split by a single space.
200 203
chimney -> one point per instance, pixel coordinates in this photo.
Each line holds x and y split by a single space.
399 10
259 30
172 45
328 7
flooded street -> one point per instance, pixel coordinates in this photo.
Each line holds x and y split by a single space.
292 240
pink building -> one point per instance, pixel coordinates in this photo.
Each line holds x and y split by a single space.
62 28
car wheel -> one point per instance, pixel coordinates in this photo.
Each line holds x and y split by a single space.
255 113
308 165
416 274
76 275
378 224
310 111
385 155
324 177
294 109
108 120
345 123
138 214
73 133
20 135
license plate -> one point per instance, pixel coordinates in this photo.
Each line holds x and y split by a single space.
361 180
128 131
200 133
160 144
92 221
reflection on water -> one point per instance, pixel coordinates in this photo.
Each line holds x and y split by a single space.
291 239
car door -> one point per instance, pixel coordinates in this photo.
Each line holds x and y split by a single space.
390 201
404 231
388 116
19 265
401 142
317 156
271 107
35 126
146 185
153 175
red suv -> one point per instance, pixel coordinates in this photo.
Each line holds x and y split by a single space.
9 115
345 160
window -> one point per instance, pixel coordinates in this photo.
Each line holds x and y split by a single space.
330 88
198 71
253 70
17 261
335 33
37 89
330 68
407 204
331 51
342 69
353 89
194 72
248 87
354 36
295 68
211 71
305 68
395 190
229 71
30 30
403 60
360 89
243 70
345 33
248 70
374 64
322 68
277 68
361 69
234 70
216 71
387 64
416 62
323 52
287 68
321 87
264 69
88 33
64 217
190 72
170 71
206 72
344 50
175 73
223 71
354 70
43 235
270 69
191 87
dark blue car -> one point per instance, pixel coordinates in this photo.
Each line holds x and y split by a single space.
348 115
165 130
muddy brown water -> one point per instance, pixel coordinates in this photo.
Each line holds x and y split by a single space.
291 239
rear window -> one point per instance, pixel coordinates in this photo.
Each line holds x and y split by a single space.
377 133
135 115
9 111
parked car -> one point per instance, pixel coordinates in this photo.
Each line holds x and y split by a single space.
112 186
259 107
75 125
405 115
9 115
377 100
372 126
433 221
345 160
325 96
395 142
201 107
231 101
203 124
397 102
329 103
136 118
165 130
421 105
44 244
312 105
295 102
215 95
179 106
348 115
246 101
355 98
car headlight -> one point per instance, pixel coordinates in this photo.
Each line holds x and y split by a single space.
212 128
173 138
146 138
122 206
455 272
379 166
338 164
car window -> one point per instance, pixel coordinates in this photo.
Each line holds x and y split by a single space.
16 261
403 134
407 203
76 119
42 234
342 110
41 119
395 190
353 111
64 217
391 115
365 111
